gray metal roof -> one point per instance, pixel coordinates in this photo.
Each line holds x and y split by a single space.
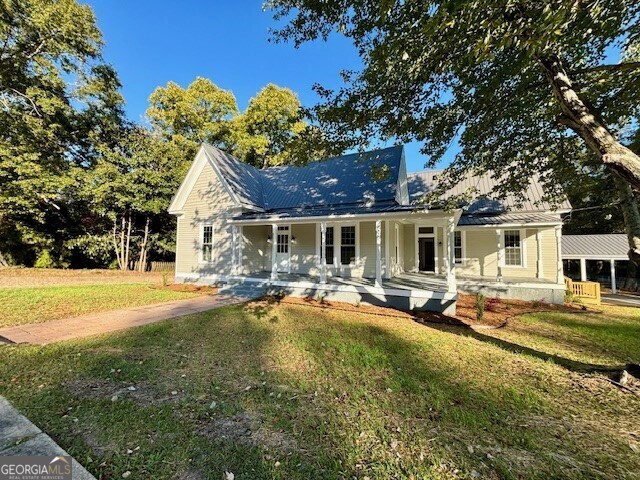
421 183
357 178
510 218
361 183
325 211
244 179
600 246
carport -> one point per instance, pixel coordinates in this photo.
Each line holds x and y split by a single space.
610 247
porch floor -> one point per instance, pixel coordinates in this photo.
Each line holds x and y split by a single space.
405 281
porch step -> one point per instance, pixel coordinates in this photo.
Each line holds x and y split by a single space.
245 291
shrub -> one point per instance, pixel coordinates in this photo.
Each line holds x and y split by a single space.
569 297
165 279
44 260
480 305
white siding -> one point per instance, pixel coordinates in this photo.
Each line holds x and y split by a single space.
208 203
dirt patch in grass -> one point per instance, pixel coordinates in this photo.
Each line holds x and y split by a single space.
248 429
189 288
497 311
105 389
37 277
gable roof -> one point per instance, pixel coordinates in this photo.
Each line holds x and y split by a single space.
602 246
421 183
357 182
353 179
243 179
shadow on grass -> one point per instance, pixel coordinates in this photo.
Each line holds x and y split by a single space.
573 365
341 377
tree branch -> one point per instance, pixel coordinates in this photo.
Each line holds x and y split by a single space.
618 67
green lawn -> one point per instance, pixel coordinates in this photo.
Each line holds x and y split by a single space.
40 304
303 392
610 337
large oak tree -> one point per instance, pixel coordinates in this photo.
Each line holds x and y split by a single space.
513 82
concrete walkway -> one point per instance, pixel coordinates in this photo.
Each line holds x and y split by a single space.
19 437
113 320
621 299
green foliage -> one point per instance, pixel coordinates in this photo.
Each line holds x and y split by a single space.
97 247
441 72
44 260
58 99
202 112
480 306
271 131
267 131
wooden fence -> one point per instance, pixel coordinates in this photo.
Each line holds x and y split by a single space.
588 292
157 266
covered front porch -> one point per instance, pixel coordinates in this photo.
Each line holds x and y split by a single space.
370 249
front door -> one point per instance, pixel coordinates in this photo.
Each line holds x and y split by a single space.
282 249
427 254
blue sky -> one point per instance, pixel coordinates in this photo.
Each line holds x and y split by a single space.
153 42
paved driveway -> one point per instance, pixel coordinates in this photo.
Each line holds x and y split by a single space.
621 299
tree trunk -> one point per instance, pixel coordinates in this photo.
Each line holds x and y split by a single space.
127 249
142 261
631 282
3 261
123 265
631 215
115 243
586 122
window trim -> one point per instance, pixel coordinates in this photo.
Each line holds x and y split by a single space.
332 245
337 246
523 250
355 246
463 248
201 258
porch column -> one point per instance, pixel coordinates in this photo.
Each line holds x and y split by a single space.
451 257
378 253
539 272
240 248
387 267
560 273
500 253
323 252
614 287
274 251
234 250
583 269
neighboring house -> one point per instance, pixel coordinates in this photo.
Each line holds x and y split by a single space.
596 249
351 228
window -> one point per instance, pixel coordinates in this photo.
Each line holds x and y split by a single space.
512 248
457 247
283 240
347 245
328 251
207 243
425 230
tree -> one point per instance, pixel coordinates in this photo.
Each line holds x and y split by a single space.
57 99
270 129
514 82
202 112
131 187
